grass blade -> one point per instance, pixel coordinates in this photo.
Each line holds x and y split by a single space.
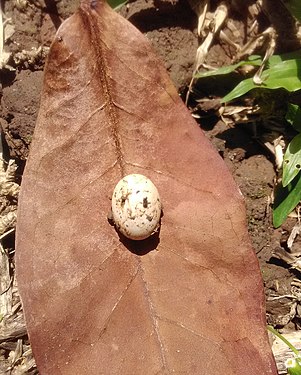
286 199
293 116
292 160
285 74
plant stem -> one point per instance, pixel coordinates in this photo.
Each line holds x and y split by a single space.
271 329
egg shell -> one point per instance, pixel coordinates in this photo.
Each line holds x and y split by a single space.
136 207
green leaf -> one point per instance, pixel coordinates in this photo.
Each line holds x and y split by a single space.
116 4
293 366
293 116
288 343
229 68
275 59
285 74
294 6
286 199
254 60
292 160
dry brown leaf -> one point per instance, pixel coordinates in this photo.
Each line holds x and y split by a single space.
189 301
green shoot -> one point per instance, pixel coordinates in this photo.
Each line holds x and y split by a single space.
282 75
291 346
116 4
282 72
292 161
294 6
293 365
293 116
286 199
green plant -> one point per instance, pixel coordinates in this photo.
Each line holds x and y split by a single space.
116 4
293 364
282 72
295 8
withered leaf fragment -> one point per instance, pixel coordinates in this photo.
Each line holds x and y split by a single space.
189 301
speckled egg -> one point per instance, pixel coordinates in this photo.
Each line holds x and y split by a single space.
136 207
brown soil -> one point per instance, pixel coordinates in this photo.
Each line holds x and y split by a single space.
172 29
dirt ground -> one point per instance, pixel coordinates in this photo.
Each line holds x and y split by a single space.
171 26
